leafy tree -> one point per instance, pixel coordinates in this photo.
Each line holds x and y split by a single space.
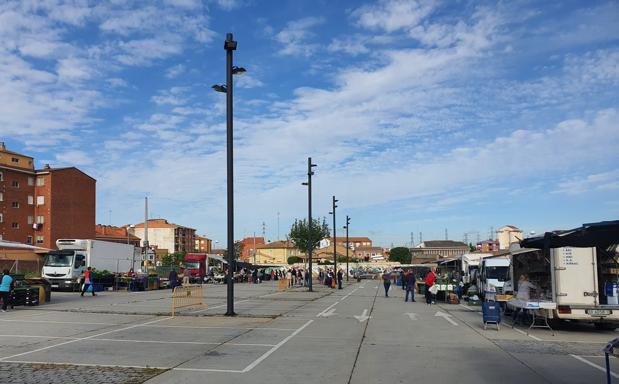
401 254
173 259
238 249
472 248
294 259
299 230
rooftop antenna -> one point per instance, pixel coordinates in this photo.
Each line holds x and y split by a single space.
446 234
420 238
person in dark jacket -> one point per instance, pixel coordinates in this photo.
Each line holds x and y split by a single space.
173 278
410 279
339 279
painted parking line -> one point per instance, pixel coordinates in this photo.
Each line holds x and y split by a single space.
214 327
217 306
598 367
80 339
56 322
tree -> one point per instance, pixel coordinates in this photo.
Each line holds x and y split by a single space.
238 249
299 230
294 259
173 259
401 254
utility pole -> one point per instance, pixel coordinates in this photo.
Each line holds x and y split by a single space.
310 243
277 226
412 239
420 238
347 244
145 244
334 237
254 249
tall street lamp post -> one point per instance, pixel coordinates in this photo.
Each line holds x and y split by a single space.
334 238
347 244
309 218
230 46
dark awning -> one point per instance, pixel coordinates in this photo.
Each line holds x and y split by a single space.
603 234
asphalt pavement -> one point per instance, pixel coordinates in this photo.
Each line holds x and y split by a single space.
354 335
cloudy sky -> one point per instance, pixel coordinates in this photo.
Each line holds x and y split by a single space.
421 116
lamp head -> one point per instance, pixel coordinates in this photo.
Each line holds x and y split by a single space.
220 88
238 70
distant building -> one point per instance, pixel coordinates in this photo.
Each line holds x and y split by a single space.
276 252
203 244
488 246
435 250
370 253
354 242
507 235
116 235
162 234
40 206
249 243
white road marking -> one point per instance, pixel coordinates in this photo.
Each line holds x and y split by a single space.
82 338
58 322
464 306
276 347
84 364
328 313
363 316
215 327
446 317
348 295
326 309
598 367
413 316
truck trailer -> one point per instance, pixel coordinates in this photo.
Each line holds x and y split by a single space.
65 267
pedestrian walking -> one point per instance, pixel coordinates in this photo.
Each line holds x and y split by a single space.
339 279
88 282
387 282
186 275
430 278
410 279
6 286
173 279
403 279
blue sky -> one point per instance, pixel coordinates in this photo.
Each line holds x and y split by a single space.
421 116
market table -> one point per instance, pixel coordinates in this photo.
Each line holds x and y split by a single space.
539 311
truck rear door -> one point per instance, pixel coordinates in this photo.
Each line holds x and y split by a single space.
575 276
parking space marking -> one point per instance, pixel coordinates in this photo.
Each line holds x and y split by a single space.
328 308
276 347
215 327
526 334
598 367
85 364
465 307
57 322
80 339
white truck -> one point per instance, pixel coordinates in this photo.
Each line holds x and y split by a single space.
470 266
65 267
493 272
578 281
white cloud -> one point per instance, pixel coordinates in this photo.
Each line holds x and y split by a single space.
74 158
392 15
175 71
294 37
248 81
606 181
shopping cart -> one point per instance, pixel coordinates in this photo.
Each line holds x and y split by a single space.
491 313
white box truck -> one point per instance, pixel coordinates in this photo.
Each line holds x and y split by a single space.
576 279
65 267
493 272
470 266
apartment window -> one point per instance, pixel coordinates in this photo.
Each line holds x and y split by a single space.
40 181
40 219
15 225
15 204
30 220
1 219
15 183
40 239
1 177
14 160
30 200
30 181
29 240
40 200
1 196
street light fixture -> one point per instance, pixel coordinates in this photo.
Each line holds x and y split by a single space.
334 237
230 46
347 244
309 218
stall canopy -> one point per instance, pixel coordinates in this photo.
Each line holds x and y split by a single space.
604 234
15 245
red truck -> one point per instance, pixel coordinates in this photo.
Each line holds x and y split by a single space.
197 264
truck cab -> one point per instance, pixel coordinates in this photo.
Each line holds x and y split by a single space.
63 268
493 272
196 263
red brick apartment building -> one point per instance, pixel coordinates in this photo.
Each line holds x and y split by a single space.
40 206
